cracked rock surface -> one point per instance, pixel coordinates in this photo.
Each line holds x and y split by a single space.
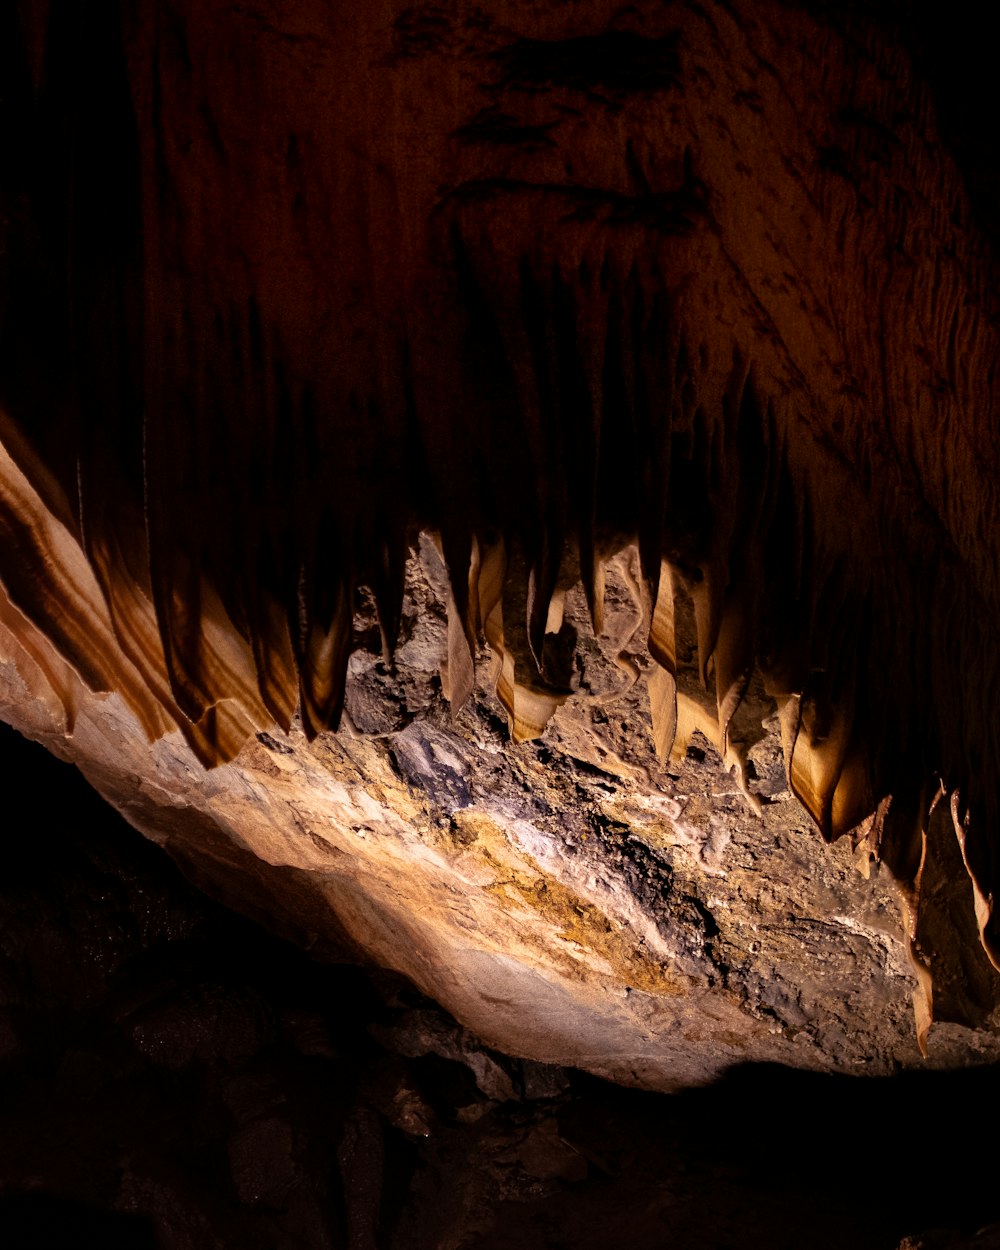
569 899
172 1076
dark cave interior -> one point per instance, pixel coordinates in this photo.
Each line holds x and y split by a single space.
173 1076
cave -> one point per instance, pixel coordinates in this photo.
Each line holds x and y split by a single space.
499 546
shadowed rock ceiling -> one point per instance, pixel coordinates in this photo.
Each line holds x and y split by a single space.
591 413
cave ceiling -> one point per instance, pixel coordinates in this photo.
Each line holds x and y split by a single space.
502 487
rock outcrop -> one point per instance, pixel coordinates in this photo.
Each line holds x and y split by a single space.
172 1076
571 898
592 413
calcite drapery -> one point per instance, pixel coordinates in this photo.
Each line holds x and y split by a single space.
279 286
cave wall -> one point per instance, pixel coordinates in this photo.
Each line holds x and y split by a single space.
675 327
571 898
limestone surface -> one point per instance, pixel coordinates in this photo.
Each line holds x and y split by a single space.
569 898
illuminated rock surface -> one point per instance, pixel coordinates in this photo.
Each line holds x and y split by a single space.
171 1076
569 898
592 416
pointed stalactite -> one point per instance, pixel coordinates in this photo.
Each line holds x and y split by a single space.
323 660
499 588
708 595
734 656
389 585
662 641
542 579
662 688
479 611
270 640
945 934
818 723
489 569
661 680
616 447
530 702
690 545
274 663
653 350
461 553
914 850
955 979
853 798
595 592
982 899
670 709
866 838
788 706
820 748
458 672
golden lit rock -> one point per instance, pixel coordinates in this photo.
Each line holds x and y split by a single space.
587 414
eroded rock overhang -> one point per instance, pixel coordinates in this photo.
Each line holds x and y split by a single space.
685 297
572 897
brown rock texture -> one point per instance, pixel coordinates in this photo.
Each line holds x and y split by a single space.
592 412
172 1076
569 898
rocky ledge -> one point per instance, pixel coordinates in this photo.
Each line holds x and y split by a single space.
570 898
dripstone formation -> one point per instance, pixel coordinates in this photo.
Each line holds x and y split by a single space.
508 489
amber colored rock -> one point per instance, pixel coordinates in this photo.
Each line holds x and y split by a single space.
569 898
589 413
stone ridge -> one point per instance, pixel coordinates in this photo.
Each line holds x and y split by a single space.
683 305
569 898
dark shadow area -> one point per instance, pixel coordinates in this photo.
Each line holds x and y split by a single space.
172 1076
40 1221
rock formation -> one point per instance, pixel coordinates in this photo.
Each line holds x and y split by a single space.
588 412
173 1076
